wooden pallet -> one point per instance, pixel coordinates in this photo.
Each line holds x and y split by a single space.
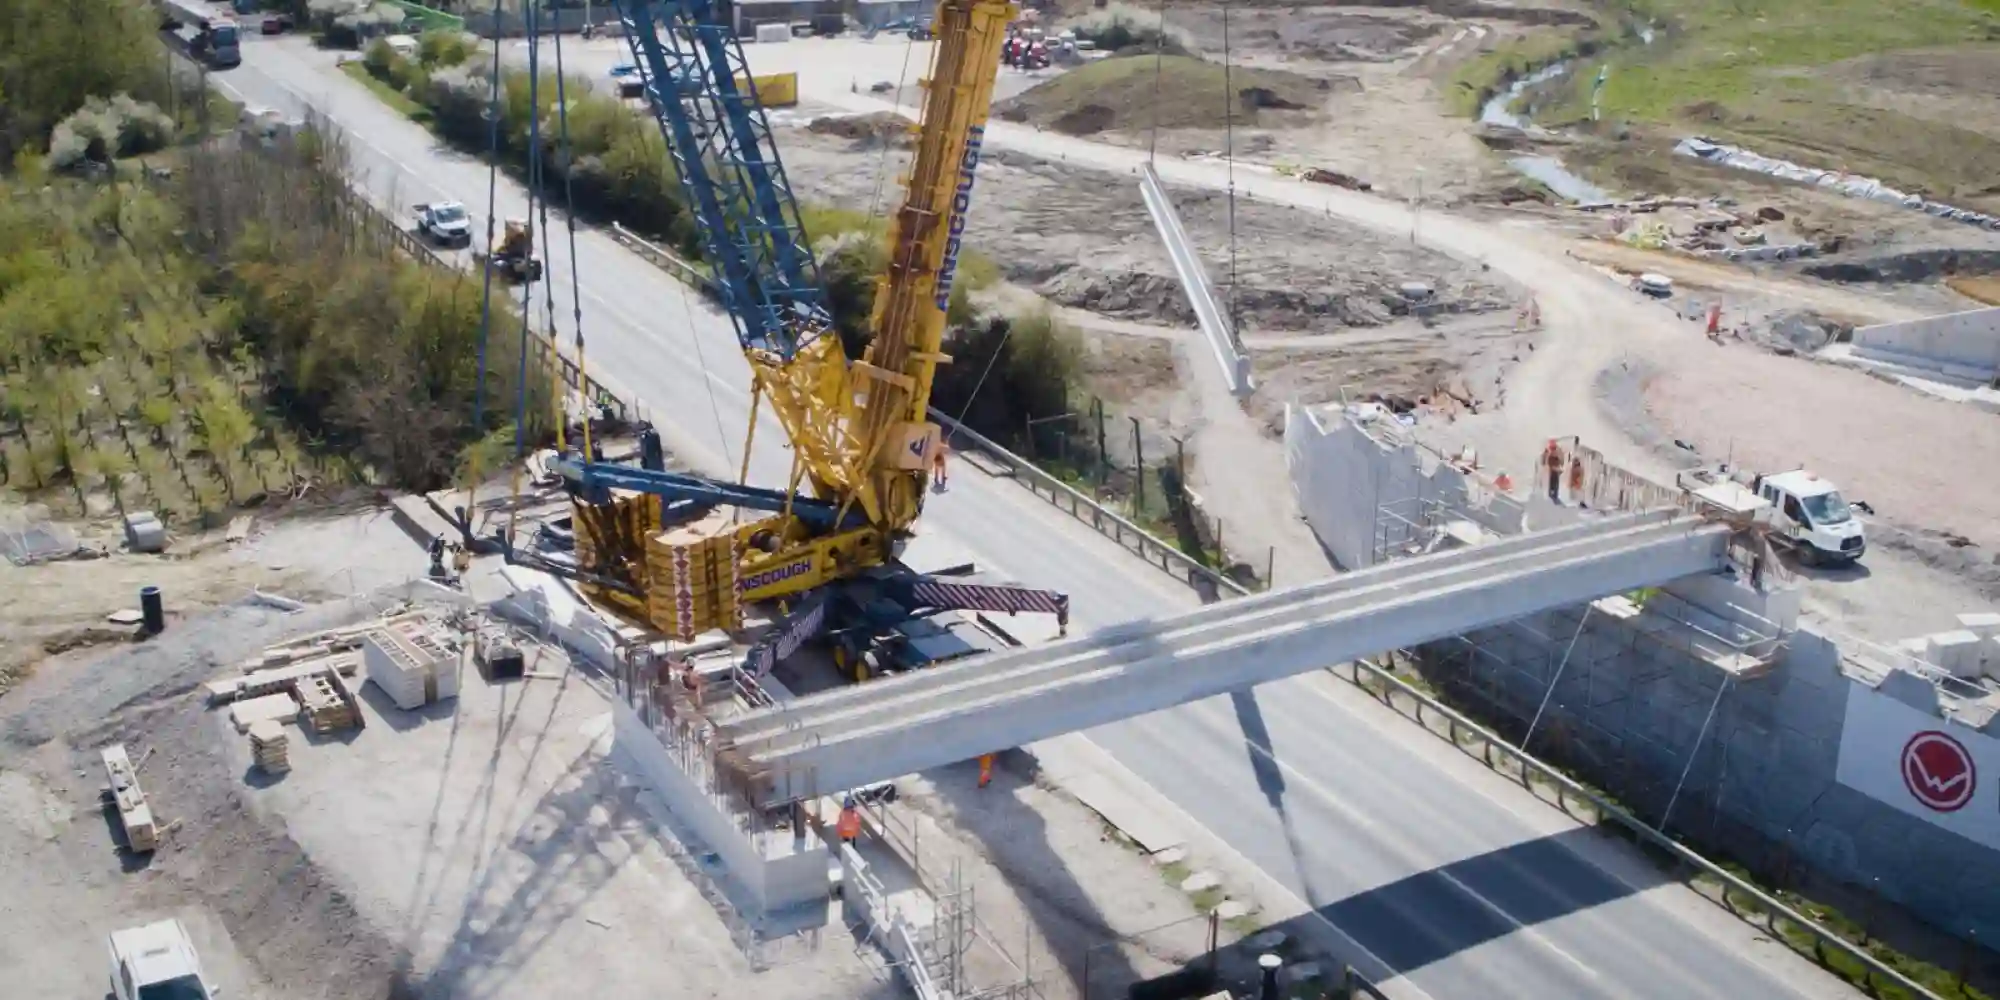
323 705
270 746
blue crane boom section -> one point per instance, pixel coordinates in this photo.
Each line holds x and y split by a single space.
697 84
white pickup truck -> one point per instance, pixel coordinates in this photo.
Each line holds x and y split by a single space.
157 962
1803 511
445 222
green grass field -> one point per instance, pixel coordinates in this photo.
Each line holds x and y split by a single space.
1732 51
1778 75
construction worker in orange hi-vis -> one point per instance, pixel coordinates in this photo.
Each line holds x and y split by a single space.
937 466
985 769
1552 460
1576 480
849 826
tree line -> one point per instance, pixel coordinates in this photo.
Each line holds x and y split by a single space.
191 318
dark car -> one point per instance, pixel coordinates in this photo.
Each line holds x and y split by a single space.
277 24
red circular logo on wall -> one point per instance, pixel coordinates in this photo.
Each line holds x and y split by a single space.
1938 771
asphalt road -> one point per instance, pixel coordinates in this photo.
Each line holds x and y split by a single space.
1459 881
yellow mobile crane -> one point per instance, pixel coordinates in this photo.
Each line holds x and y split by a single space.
667 548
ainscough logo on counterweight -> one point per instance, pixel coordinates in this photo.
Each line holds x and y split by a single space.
961 202
758 581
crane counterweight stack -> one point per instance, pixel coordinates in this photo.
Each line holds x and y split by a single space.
687 554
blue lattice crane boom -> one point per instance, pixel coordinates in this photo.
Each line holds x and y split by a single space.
860 435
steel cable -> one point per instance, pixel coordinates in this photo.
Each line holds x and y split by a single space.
486 284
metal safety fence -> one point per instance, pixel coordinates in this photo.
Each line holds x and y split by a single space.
1740 897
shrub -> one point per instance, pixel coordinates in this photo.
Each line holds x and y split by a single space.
1038 359
438 49
380 59
102 131
1120 29
345 24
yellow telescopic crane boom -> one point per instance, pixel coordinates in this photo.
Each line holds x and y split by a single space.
673 549
924 244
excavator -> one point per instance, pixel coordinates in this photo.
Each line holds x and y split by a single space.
687 554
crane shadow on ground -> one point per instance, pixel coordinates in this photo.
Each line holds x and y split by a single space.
1270 779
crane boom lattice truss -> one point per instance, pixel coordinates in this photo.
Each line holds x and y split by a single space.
860 430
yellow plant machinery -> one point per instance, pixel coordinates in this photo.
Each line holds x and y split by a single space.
678 551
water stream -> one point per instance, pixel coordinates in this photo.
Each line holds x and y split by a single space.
1546 170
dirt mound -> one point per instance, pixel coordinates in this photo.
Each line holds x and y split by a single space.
1920 265
1138 91
1146 296
870 130
1087 120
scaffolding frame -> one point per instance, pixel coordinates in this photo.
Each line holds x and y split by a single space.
957 915
1414 526
1614 672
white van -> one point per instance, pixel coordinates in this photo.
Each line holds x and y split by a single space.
1801 511
157 961
1812 517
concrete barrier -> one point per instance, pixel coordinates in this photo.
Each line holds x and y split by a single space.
1964 345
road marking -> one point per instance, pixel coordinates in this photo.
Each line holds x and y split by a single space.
1535 819
1360 818
1153 798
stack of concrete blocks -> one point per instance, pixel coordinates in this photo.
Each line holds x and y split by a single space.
1985 625
269 746
1965 652
411 664
324 704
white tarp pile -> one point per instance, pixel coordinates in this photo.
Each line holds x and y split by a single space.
546 604
1852 185
31 542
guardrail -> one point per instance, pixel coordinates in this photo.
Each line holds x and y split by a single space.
1355 986
664 259
428 18
1107 522
1876 973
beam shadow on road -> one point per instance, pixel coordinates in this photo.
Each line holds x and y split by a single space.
1433 915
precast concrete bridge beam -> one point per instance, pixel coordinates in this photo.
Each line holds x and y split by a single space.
889 728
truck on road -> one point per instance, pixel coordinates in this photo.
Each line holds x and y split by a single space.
1801 511
157 962
445 222
217 39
